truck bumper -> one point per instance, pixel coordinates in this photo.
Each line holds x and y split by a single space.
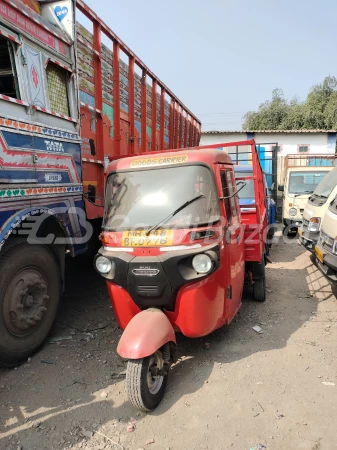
329 266
309 240
294 223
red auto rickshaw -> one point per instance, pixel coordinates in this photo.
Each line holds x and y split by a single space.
173 255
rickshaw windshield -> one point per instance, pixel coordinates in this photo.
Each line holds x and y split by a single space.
143 198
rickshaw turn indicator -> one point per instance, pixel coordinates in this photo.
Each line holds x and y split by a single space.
176 252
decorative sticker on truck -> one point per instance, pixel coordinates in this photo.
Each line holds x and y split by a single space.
27 25
149 162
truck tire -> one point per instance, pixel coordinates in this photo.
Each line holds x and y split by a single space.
30 288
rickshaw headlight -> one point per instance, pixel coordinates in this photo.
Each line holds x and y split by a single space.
293 212
104 265
202 263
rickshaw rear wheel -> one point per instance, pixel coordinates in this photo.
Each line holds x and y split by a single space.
259 290
259 277
146 380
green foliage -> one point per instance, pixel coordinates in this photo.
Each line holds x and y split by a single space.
318 111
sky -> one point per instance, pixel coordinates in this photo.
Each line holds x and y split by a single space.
223 58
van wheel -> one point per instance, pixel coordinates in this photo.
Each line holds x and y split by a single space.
259 290
144 388
30 286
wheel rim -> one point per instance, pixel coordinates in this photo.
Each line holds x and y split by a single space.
154 382
25 302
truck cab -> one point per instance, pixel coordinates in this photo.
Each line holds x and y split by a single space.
326 249
315 210
303 174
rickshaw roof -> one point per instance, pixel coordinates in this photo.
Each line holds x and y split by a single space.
171 158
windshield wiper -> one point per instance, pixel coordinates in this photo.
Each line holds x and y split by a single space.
155 227
304 192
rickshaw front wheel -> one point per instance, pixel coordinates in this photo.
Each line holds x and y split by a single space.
146 380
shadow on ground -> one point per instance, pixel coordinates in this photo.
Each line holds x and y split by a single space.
76 385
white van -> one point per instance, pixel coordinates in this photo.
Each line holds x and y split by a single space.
326 248
315 210
300 183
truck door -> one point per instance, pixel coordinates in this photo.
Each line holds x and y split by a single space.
234 243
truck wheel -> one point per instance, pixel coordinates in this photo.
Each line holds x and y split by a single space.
30 286
259 290
145 389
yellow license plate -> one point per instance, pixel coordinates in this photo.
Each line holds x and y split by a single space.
157 238
300 232
319 254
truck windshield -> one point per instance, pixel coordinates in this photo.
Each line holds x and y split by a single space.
143 198
328 183
248 192
305 182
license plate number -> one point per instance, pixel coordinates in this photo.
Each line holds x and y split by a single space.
157 238
319 254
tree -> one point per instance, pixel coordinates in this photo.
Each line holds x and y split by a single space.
318 111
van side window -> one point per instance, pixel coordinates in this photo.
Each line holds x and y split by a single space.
57 80
226 193
8 77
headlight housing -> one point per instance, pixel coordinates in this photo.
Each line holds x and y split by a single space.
105 265
334 248
314 224
202 263
292 212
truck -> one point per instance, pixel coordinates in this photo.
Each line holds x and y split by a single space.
315 210
70 98
326 248
303 173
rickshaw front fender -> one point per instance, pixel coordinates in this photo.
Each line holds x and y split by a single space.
146 332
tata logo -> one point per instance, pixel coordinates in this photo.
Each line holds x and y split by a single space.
53 146
53 177
145 271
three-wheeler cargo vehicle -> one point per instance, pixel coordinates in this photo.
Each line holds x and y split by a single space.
315 210
176 254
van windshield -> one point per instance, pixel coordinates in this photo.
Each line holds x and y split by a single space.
143 198
305 182
328 183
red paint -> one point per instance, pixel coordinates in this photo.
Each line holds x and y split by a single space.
132 103
123 305
145 334
154 116
117 104
143 119
162 118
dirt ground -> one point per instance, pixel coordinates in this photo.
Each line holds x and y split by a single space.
234 389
